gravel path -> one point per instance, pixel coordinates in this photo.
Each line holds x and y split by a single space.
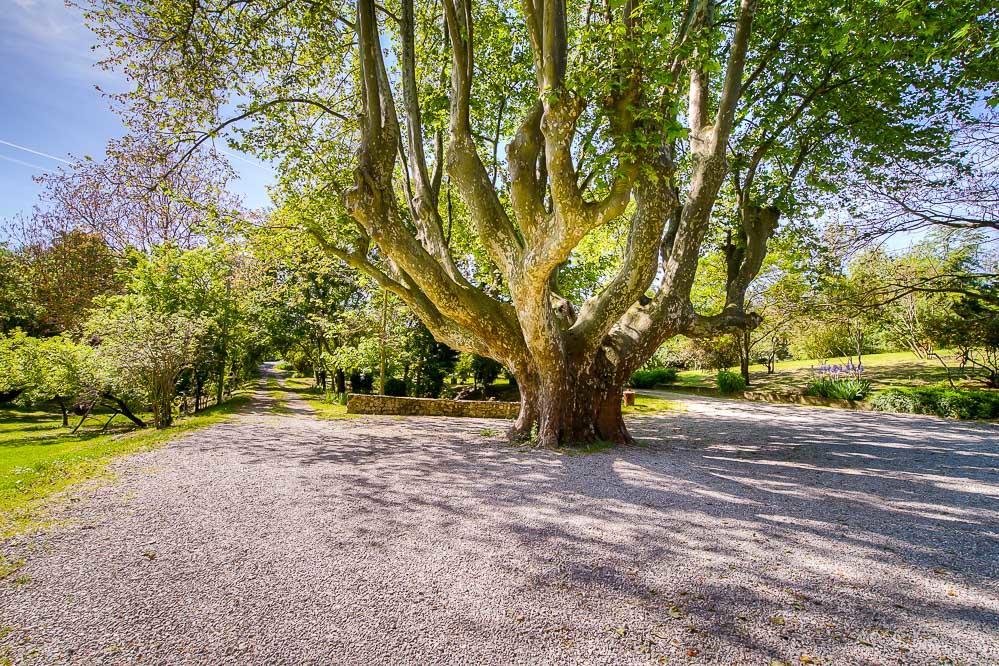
740 533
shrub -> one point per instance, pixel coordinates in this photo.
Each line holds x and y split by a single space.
337 398
730 382
394 387
485 370
650 378
839 389
361 382
941 401
894 400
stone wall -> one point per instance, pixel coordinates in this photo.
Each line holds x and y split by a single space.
383 404
800 399
790 398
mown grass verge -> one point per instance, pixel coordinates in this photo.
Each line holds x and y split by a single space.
38 458
325 409
647 404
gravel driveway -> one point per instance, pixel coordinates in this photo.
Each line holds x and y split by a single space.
739 533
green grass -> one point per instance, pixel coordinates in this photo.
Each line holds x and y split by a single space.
277 393
883 370
305 388
38 458
647 404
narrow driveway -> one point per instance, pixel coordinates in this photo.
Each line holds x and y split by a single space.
739 533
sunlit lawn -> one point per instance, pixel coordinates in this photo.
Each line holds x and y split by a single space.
38 457
647 404
894 369
305 388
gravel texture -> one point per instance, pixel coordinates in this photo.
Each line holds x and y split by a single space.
738 533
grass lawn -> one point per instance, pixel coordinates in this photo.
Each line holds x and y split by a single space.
894 369
647 404
39 458
305 388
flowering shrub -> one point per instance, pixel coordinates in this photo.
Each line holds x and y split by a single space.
839 382
838 389
730 382
840 370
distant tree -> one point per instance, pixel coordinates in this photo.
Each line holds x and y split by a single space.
971 327
17 306
66 272
432 361
139 196
305 303
485 370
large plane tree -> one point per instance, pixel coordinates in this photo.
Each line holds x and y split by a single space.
459 151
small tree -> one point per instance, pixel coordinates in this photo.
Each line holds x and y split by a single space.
143 351
971 327
17 307
18 364
65 374
432 361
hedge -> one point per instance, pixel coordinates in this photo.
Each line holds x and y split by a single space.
644 379
939 401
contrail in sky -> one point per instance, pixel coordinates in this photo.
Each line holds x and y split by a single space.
241 158
27 164
35 152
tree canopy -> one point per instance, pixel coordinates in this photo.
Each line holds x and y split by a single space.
460 154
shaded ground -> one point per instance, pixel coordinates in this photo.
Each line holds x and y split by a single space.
740 533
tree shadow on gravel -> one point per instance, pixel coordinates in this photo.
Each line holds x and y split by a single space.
757 528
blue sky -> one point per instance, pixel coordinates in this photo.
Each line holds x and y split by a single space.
49 103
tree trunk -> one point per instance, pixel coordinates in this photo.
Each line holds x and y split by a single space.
199 387
340 381
125 411
220 389
744 349
570 413
9 396
163 413
62 408
381 371
83 418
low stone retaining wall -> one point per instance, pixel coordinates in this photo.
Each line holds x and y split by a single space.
358 403
680 388
799 399
785 397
